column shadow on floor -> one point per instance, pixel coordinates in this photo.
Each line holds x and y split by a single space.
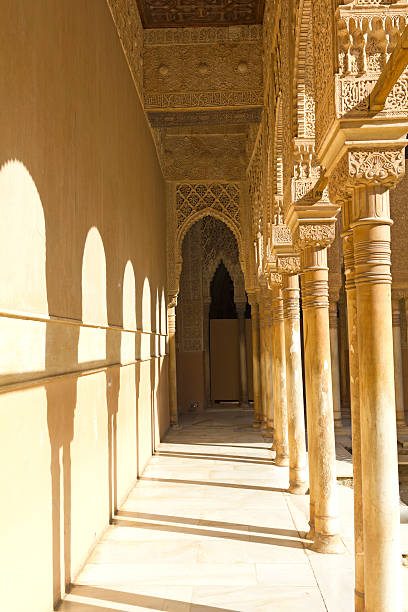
191 442
207 483
130 599
208 456
207 523
227 535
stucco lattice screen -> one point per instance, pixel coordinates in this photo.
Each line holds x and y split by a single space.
222 199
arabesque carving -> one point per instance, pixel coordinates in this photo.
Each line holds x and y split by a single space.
162 13
289 264
198 200
202 71
130 31
317 235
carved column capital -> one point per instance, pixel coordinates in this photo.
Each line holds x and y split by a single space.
274 280
172 300
314 234
382 166
288 265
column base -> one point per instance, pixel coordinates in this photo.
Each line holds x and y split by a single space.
282 460
257 425
264 425
298 488
311 533
359 601
328 544
175 426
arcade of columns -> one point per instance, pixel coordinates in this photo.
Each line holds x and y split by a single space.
293 135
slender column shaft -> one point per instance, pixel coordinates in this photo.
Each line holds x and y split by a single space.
320 399
294 388
256 367
372 259
268 366
398 372
355 420
344 359
279 382
171 319
243 367
262 341
206 354
335 364
310 437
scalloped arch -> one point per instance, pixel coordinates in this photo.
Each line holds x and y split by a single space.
190 221
234 270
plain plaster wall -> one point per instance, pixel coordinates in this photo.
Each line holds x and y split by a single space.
83 371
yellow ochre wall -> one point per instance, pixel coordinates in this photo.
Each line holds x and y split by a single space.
83 372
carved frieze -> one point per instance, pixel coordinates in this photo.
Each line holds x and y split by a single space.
202 99
190 36
220 117
199 74
178 13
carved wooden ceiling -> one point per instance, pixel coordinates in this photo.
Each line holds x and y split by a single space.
188 13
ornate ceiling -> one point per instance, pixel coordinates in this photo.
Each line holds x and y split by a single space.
202 87
187 13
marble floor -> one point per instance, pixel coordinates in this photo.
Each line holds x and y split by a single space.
210 528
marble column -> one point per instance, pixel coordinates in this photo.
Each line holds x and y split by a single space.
319 397
172 368
256 366
294 387
335 361
243 368
279 381
398 371
268 364
206 353
262 363
344 356
355 413
372 260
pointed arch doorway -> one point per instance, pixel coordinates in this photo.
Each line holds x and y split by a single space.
213 321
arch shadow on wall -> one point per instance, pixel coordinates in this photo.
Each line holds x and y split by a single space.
58 345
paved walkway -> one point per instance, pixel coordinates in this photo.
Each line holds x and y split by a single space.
209 528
